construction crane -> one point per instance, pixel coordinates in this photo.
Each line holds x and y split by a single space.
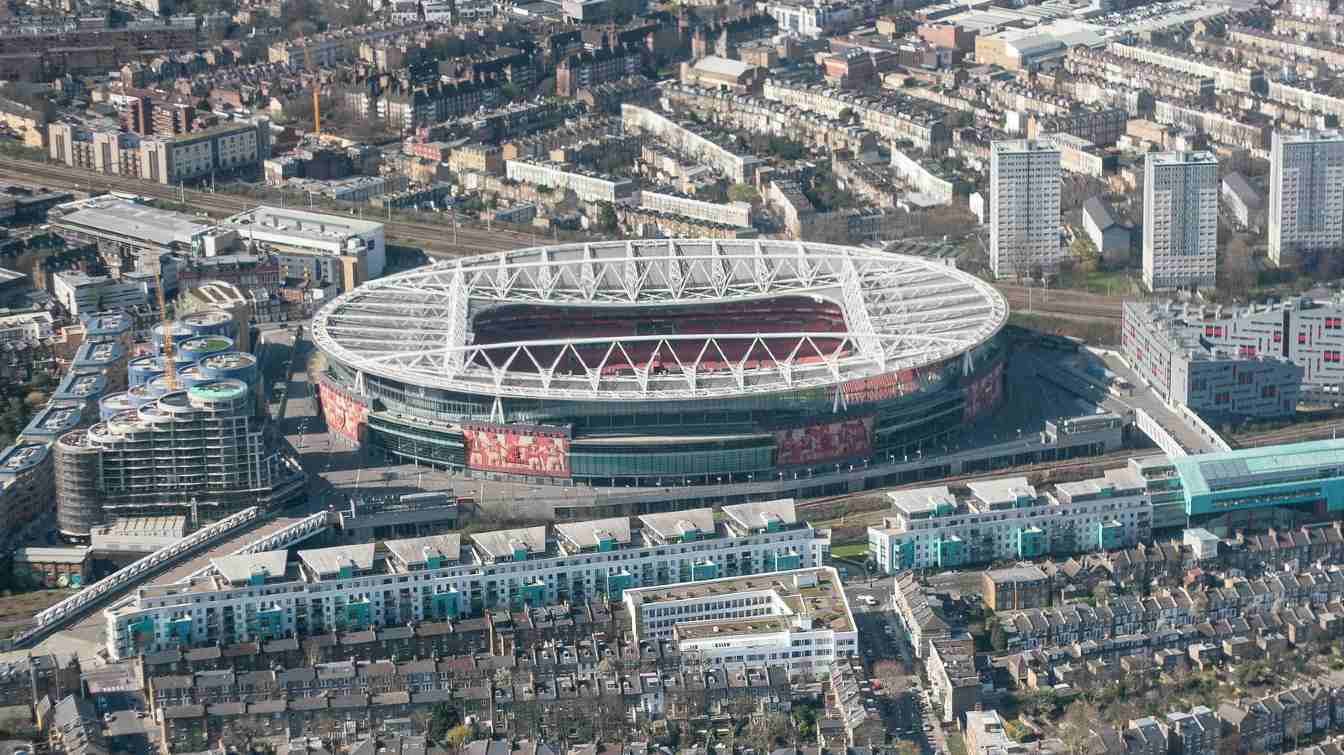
317 89
169 367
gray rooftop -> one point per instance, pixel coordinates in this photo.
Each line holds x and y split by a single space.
419 550
123 218
922 500
241 568
502 543
331 560
1100 211
1249 195
589 534
1002 490
671 525
758 515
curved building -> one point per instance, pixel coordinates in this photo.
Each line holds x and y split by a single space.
690 362
199 446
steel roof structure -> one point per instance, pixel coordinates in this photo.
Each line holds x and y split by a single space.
900 312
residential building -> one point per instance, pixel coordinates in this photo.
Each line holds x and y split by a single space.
1024 208
83 294
1306 195
799 618
812 18
730 213
1008 519
1220 374
1015 588
1246 203
1195 733
587 187
452 576
1111 240
1180 220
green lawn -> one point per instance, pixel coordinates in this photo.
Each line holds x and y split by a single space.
856 551
956 744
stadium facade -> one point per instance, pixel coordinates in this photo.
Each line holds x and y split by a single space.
669 362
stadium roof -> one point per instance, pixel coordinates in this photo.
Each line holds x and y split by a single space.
899 313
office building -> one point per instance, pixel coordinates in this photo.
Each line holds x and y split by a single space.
454 576
1306 195
333 249
1180 220
799 618
1009 519
1024 185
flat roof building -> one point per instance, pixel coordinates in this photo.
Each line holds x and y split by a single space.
503 569
297 235
799 618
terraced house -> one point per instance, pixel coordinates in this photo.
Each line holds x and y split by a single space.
266 596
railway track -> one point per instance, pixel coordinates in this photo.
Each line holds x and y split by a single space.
434 238
1305 431
1053 467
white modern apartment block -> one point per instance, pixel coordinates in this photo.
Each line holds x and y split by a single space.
1008 519
1180 220
445 577
586 186
736 214
1024 186
84 294
1306 194
799 618
812 19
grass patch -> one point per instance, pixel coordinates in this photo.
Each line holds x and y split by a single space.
956 744
858 551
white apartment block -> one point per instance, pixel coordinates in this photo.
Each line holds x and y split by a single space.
798 618
1024 186
1008 519
1306 194
445 577
737 214
587 187
812 19
687 143
30 326
1180 220
83 294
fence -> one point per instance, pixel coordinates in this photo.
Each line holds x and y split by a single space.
283 538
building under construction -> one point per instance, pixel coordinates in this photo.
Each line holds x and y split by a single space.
200 451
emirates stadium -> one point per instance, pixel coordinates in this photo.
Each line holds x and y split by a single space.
667 362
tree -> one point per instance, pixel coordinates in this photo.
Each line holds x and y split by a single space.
443 718
1102 593
606 218
1075 729
743 193
457 737
767 731
998 640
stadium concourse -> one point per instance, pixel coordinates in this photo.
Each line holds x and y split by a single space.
661 363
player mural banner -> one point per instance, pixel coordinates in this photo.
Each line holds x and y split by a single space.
984 393
825 442
345 414
518 449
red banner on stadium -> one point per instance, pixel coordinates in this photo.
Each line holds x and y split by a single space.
346 415
817 443
518 449
984 393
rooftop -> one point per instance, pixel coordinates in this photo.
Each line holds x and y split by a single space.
316 226
119 217
501 545
239 569
324 561
417 551
1257 466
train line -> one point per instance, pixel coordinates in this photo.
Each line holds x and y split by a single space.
440 240
1115 458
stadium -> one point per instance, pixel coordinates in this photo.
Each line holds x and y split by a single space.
668 362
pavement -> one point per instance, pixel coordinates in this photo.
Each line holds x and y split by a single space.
1144 397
